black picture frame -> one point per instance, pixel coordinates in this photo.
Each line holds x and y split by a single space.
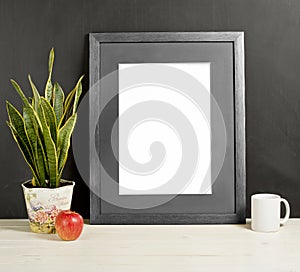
237 39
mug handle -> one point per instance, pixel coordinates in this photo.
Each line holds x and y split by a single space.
287 211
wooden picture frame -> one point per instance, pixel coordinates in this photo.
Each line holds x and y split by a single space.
237 214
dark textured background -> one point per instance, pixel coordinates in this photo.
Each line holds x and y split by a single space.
28 29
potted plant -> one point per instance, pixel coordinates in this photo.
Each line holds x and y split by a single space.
43 132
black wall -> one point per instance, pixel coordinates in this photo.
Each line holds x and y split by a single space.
28 29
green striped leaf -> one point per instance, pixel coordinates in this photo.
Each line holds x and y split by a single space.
51 153
51 60
41 145
36 95
41 162
17 121
58 102
64 136
50 118
69 99
31 133
20 92
48 90
77 94
49 87
24 148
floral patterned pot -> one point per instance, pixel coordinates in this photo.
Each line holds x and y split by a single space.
43 204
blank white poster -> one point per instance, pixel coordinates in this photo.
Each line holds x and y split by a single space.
148 131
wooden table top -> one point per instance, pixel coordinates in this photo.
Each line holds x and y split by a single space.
151 248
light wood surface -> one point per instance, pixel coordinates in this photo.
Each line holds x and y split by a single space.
151 248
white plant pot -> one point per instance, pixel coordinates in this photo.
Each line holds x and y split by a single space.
43 204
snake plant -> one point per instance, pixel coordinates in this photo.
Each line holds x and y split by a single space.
43 130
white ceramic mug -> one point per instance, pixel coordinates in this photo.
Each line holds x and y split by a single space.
265 212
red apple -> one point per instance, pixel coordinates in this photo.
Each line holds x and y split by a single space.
68 225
